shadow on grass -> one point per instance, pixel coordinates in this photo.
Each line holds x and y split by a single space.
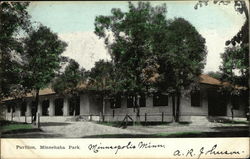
6 122
232 129
31 135
226 121
174 135
54 124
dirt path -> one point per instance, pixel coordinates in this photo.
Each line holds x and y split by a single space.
81 129
88 129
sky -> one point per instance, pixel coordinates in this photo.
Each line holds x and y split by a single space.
74 24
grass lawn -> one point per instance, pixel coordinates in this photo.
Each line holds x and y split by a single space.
12 127
15 127
158 135
179 133
191 134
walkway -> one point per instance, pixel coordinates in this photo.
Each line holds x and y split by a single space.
80 129
91 129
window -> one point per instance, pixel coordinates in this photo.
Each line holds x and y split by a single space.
160 99
236 102
131 100
195 99
115 102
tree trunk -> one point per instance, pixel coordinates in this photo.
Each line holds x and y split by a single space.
231 106
74 103
35 106
178 106
137 105
173 108
103 104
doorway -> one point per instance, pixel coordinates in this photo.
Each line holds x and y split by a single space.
217 103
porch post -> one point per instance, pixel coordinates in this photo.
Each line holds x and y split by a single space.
18 110
11 111
28 110
84 104
51 107
39 107
66 106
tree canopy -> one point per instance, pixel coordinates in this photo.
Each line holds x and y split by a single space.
43 50
100 77
150 51
183 57
14 20
67 81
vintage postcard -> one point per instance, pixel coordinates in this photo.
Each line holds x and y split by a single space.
120 79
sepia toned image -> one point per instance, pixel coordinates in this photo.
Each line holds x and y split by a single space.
118 69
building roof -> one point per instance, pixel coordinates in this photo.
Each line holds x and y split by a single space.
205 79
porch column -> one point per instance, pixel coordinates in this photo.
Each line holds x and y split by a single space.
84 104
28 110
39 108
18 110
66 106
51 107
11 113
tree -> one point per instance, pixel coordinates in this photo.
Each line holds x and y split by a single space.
100 76
14 21
43 50
181 60
100 79
132 33
141 61
67 82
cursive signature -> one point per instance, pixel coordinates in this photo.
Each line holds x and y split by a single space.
203 152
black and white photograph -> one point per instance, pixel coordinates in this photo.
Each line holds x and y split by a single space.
124 69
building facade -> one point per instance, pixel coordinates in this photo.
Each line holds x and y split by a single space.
157 107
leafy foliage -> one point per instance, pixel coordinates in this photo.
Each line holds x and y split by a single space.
131 45
239 5
235 66
101 76
14 20
149 51
43 50
183 57
216 75
67 81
